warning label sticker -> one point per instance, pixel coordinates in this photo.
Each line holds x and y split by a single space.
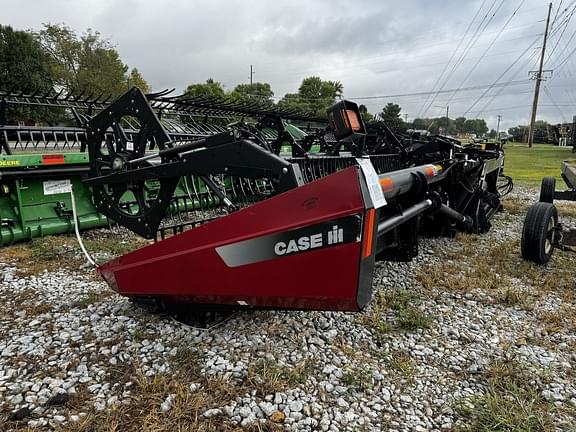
53 187
373 182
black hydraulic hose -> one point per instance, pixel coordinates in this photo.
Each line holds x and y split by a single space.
463 220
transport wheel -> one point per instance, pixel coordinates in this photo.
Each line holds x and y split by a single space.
547 189
539 232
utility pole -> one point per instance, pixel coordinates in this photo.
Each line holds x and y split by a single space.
447 120
251 74
405 118
538 81
498 127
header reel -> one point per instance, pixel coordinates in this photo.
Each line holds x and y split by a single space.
122 169
119 154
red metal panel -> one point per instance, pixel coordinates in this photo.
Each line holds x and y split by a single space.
188 267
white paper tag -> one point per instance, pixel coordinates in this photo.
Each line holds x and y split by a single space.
53 187
373 182
129 146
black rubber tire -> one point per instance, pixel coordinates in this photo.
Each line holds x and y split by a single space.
547 189
538 233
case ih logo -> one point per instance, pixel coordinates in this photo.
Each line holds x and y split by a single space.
300 240
334 236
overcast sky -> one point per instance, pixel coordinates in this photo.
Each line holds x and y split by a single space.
374 47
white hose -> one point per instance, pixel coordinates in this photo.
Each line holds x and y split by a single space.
77 230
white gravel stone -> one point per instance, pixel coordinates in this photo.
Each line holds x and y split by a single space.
212 412
167 404
345 379
295 406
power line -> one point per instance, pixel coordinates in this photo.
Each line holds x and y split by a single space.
559 105
355 65
423 93
502 75
522 67
491 45
434 87
474 40
497 109
533 55
391 53
477 33
566 47
567 21
566 59
556 14
467 98
356 69
554 102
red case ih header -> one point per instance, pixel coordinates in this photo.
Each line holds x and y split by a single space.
301 249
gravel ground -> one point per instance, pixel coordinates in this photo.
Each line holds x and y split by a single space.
416 359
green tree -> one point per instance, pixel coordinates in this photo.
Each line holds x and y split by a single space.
135 79
85 63
476 126
101 71
209 88
337 87
261 92
24 67
519 133
542 133
459 124
366 116
420 124
62 45
391 116
23 63
315 89
314 95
